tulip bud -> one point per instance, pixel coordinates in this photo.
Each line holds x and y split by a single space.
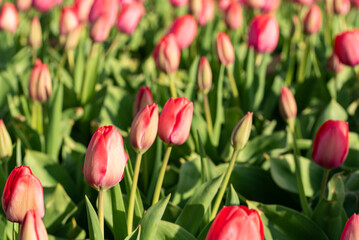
83 8
233 15
204 75
5 142
105 159
184 29
32 227
263 33
175 121
44 5
287 104
68 20
9 18
242 131
346 47
23 191
178 3
143 98
341 7
223 4
225 49
167 54
270 6
144 128
334 65
331 144
100 29
23 5
106 8
236 221
313 20
35 38
351 229
40 85
202 10
130 16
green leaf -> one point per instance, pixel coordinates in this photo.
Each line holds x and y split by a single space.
232 197
220 110
247 93
192 77
118 213
79 68
259 90
93 223
205 174
170 231
135 235
352 163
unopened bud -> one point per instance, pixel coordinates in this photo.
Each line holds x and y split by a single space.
35 38
287 104
5 142
204 75
242 131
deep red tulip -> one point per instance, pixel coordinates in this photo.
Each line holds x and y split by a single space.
143 98
225 49
23 5
233 15
178 3
68 20
263 33
287 104
351 229
184 28
105 159
313 20
83 8
6 144
341 7
144 128
9 18
270 5
129 17
346 47
331 144
23 191
204 75
32 228
167 54
237 222
202 10
175 121
40 85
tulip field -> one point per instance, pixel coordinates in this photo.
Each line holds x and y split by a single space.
179 119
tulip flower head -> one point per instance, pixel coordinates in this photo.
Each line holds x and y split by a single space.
351 229
346 47
233 15
341 7
23 191
68 20
355 3
270 6
236 222
143 98
175 121
32 227
204 75
313 20
202 10
105 159
223 4
5 142
255 4
129 17
287 104
40 85
331 144
225 49
184 29
242 131
45 5
9 18
178 3
167 54
35 38
83 8
23 5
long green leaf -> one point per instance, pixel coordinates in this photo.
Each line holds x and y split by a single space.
93 223
118 213
169 231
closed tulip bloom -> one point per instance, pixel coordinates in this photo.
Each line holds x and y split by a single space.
130 16
68 20
44 5
175 121
313 20
287 104
341 7
270 5
5 142
9 18
23 5
331 144
143 98
334 65
32 227
202 10
204 75
23 191
225 49
184 29
40 85
233 15
242 131
167 54
144 128
346 47
255 4
105 159
83 8
35 37
101 8
178 3
223 4
236 222
351 229
100 29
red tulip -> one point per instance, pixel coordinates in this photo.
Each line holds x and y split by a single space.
334 65
233 15
184 29
178 3
346 47
23 5
204 75
100 29
351 229
287 104
236 222
143 98
331 144
35 37
225 49
313 20
23 191
32 227
68 20
9 18
263 33
270 5
40 85
202 10
130 16
175 121
105 159
83 8
341 7
167 54
144 128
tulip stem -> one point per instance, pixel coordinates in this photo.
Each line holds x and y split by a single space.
161 175
61 66
101 210
233 84
302 197
172 85
224 184
207 111
324 184
131 203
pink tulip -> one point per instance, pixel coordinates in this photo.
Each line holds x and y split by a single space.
32 227
104 7
270 5
202 10
40 85
341 7
23 191
129 17
233 15
334 65
175 121
287 104
68 20
45 5
83 8
255 4
178 3
239 221
105 159
351 229
346 47
184 29
223 4
9 18
225 49
143 98
331 144
35 37
23 5
313 20
100 29
263 33
167 54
